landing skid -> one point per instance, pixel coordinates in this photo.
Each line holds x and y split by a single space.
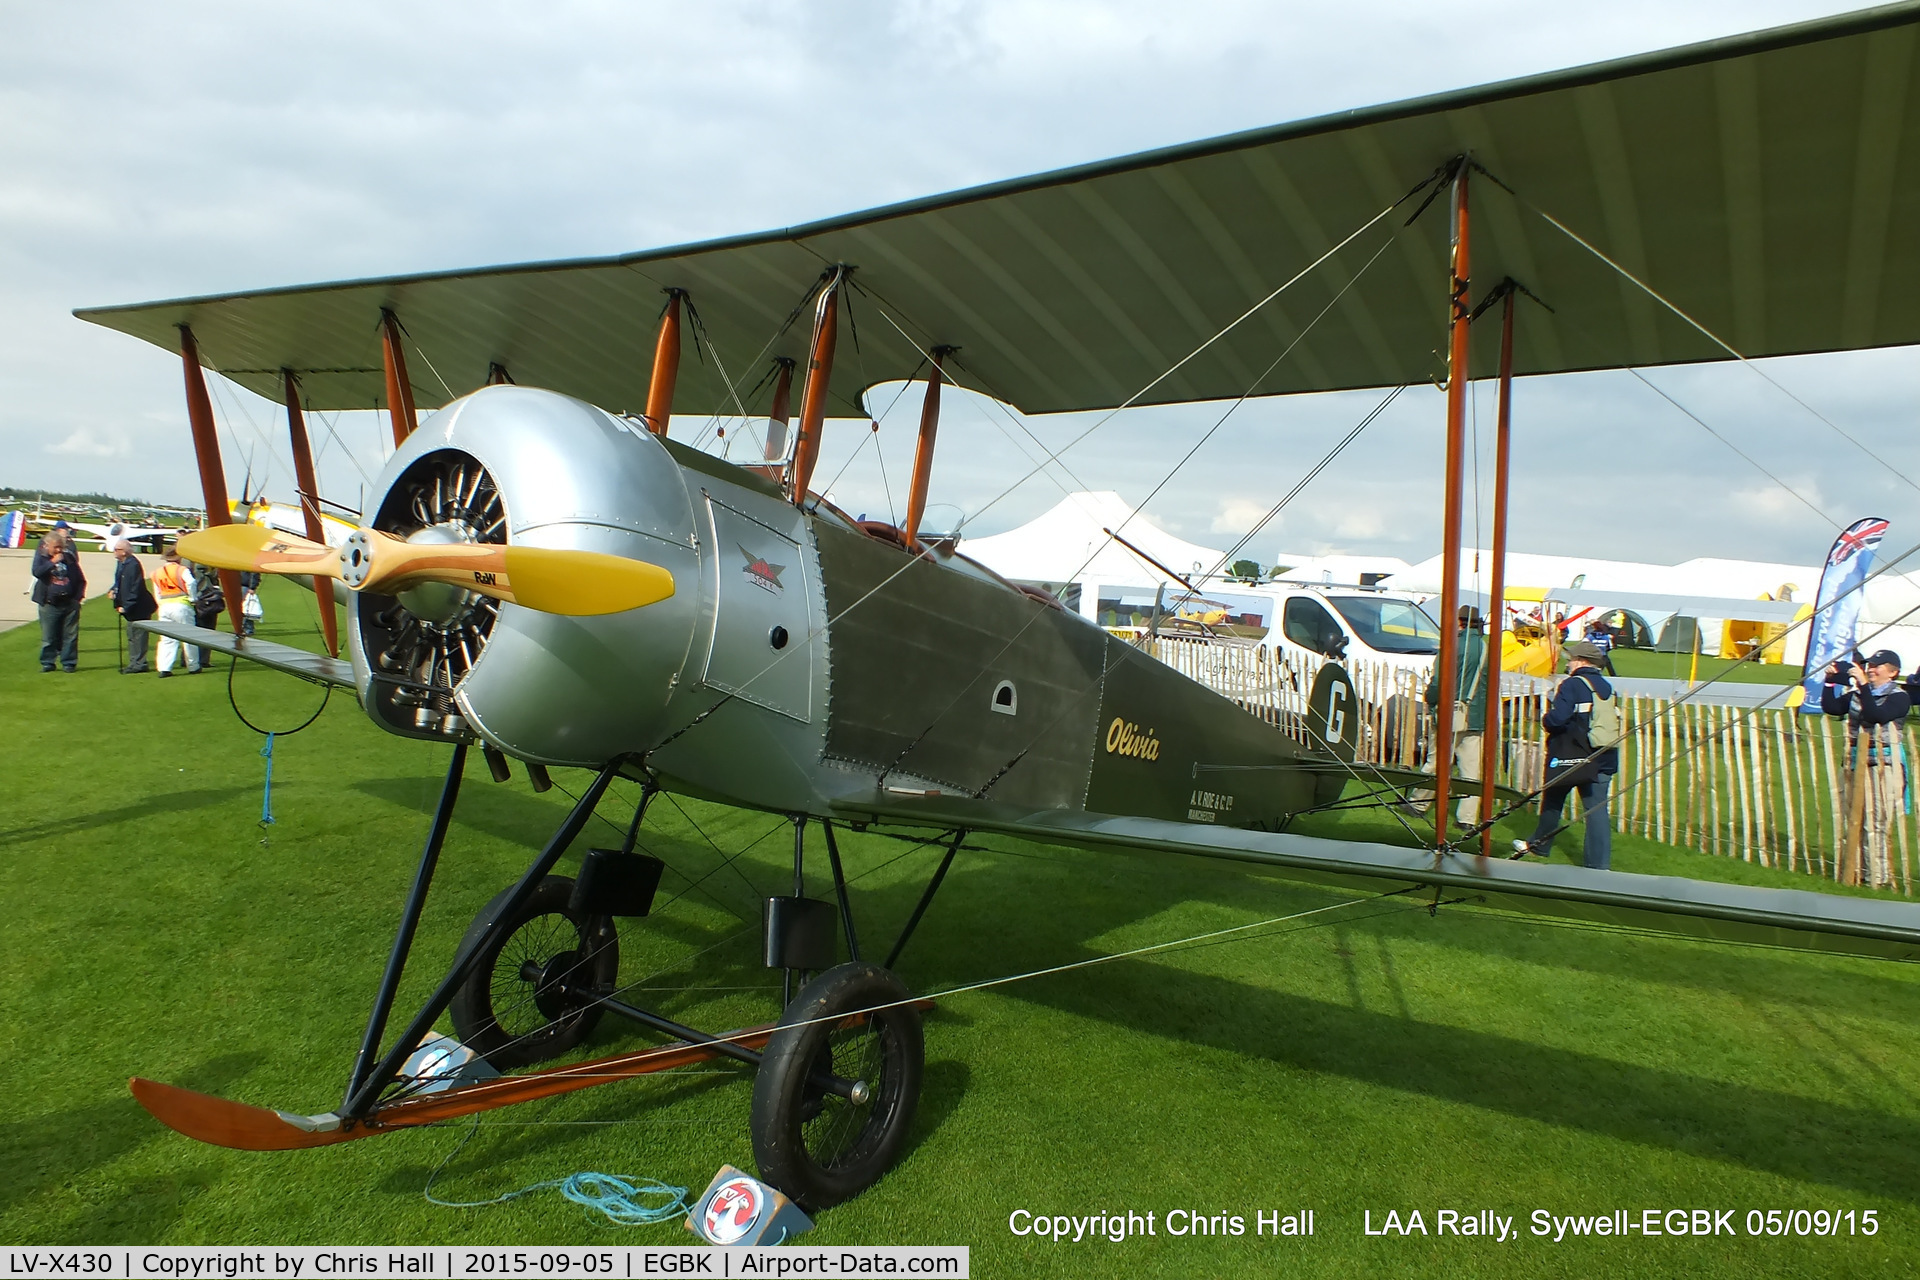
222 1123
837 1078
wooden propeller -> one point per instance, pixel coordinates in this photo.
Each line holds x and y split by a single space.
575 583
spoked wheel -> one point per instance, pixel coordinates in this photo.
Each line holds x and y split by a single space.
528 997
815 1145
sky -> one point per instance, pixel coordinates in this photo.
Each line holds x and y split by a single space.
158 151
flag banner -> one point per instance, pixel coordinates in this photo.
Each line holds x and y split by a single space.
13 530
1836 609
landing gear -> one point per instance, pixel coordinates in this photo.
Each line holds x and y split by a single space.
814 1143
526 999
837 1078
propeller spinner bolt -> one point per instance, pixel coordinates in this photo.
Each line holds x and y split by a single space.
356 558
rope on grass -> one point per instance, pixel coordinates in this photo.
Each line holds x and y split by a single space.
266 795
606 1193
266 752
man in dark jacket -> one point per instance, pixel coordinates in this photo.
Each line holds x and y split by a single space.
132 601
209 598
1870 696
1574 763
1478 673
59 589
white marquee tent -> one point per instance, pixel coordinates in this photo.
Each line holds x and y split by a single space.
1070 544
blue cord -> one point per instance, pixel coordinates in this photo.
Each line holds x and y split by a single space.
266 796
604 1192
613 1196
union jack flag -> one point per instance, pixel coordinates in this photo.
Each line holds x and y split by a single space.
1836 617
1862 535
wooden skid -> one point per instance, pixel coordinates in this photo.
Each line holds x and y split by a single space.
235 1124
228 1124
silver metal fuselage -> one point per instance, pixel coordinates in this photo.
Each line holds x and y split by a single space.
583 690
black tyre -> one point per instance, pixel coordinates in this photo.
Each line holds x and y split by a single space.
525 1000
816 1146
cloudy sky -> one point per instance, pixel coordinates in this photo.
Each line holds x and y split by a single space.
160 150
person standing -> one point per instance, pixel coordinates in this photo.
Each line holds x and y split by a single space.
1875 704
173 586
250 609
1583 754
208 600
132 601
59 589
1471 685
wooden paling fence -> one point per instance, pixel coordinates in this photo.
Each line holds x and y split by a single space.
1759 785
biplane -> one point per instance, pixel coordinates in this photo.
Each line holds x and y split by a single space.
545 573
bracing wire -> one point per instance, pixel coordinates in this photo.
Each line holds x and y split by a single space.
1709 334
986 393
1240 932
1792 492
1194 354
1326 461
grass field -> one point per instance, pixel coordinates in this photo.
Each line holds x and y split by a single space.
1381 1059
1678 666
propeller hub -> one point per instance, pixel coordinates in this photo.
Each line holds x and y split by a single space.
356 559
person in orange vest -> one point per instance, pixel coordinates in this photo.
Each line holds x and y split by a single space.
173 588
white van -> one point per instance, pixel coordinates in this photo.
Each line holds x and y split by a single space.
1356 624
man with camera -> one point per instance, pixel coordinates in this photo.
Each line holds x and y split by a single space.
1868 692
59 589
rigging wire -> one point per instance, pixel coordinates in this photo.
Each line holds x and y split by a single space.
998 402
1248 393
335 437
1326 461
1240 932
1583 331
1710 335
702 343
848 461
692 884
1795 494
233 408
1194 354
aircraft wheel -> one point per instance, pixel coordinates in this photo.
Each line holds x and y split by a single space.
513 1008
816 1146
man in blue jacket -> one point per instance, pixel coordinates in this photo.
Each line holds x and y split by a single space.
1583 710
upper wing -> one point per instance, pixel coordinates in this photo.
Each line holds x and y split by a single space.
1765 183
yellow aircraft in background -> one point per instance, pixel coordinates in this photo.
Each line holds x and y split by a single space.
283 518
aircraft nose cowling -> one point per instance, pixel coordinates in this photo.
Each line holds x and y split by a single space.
532 469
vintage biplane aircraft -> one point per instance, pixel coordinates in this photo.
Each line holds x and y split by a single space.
548 577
